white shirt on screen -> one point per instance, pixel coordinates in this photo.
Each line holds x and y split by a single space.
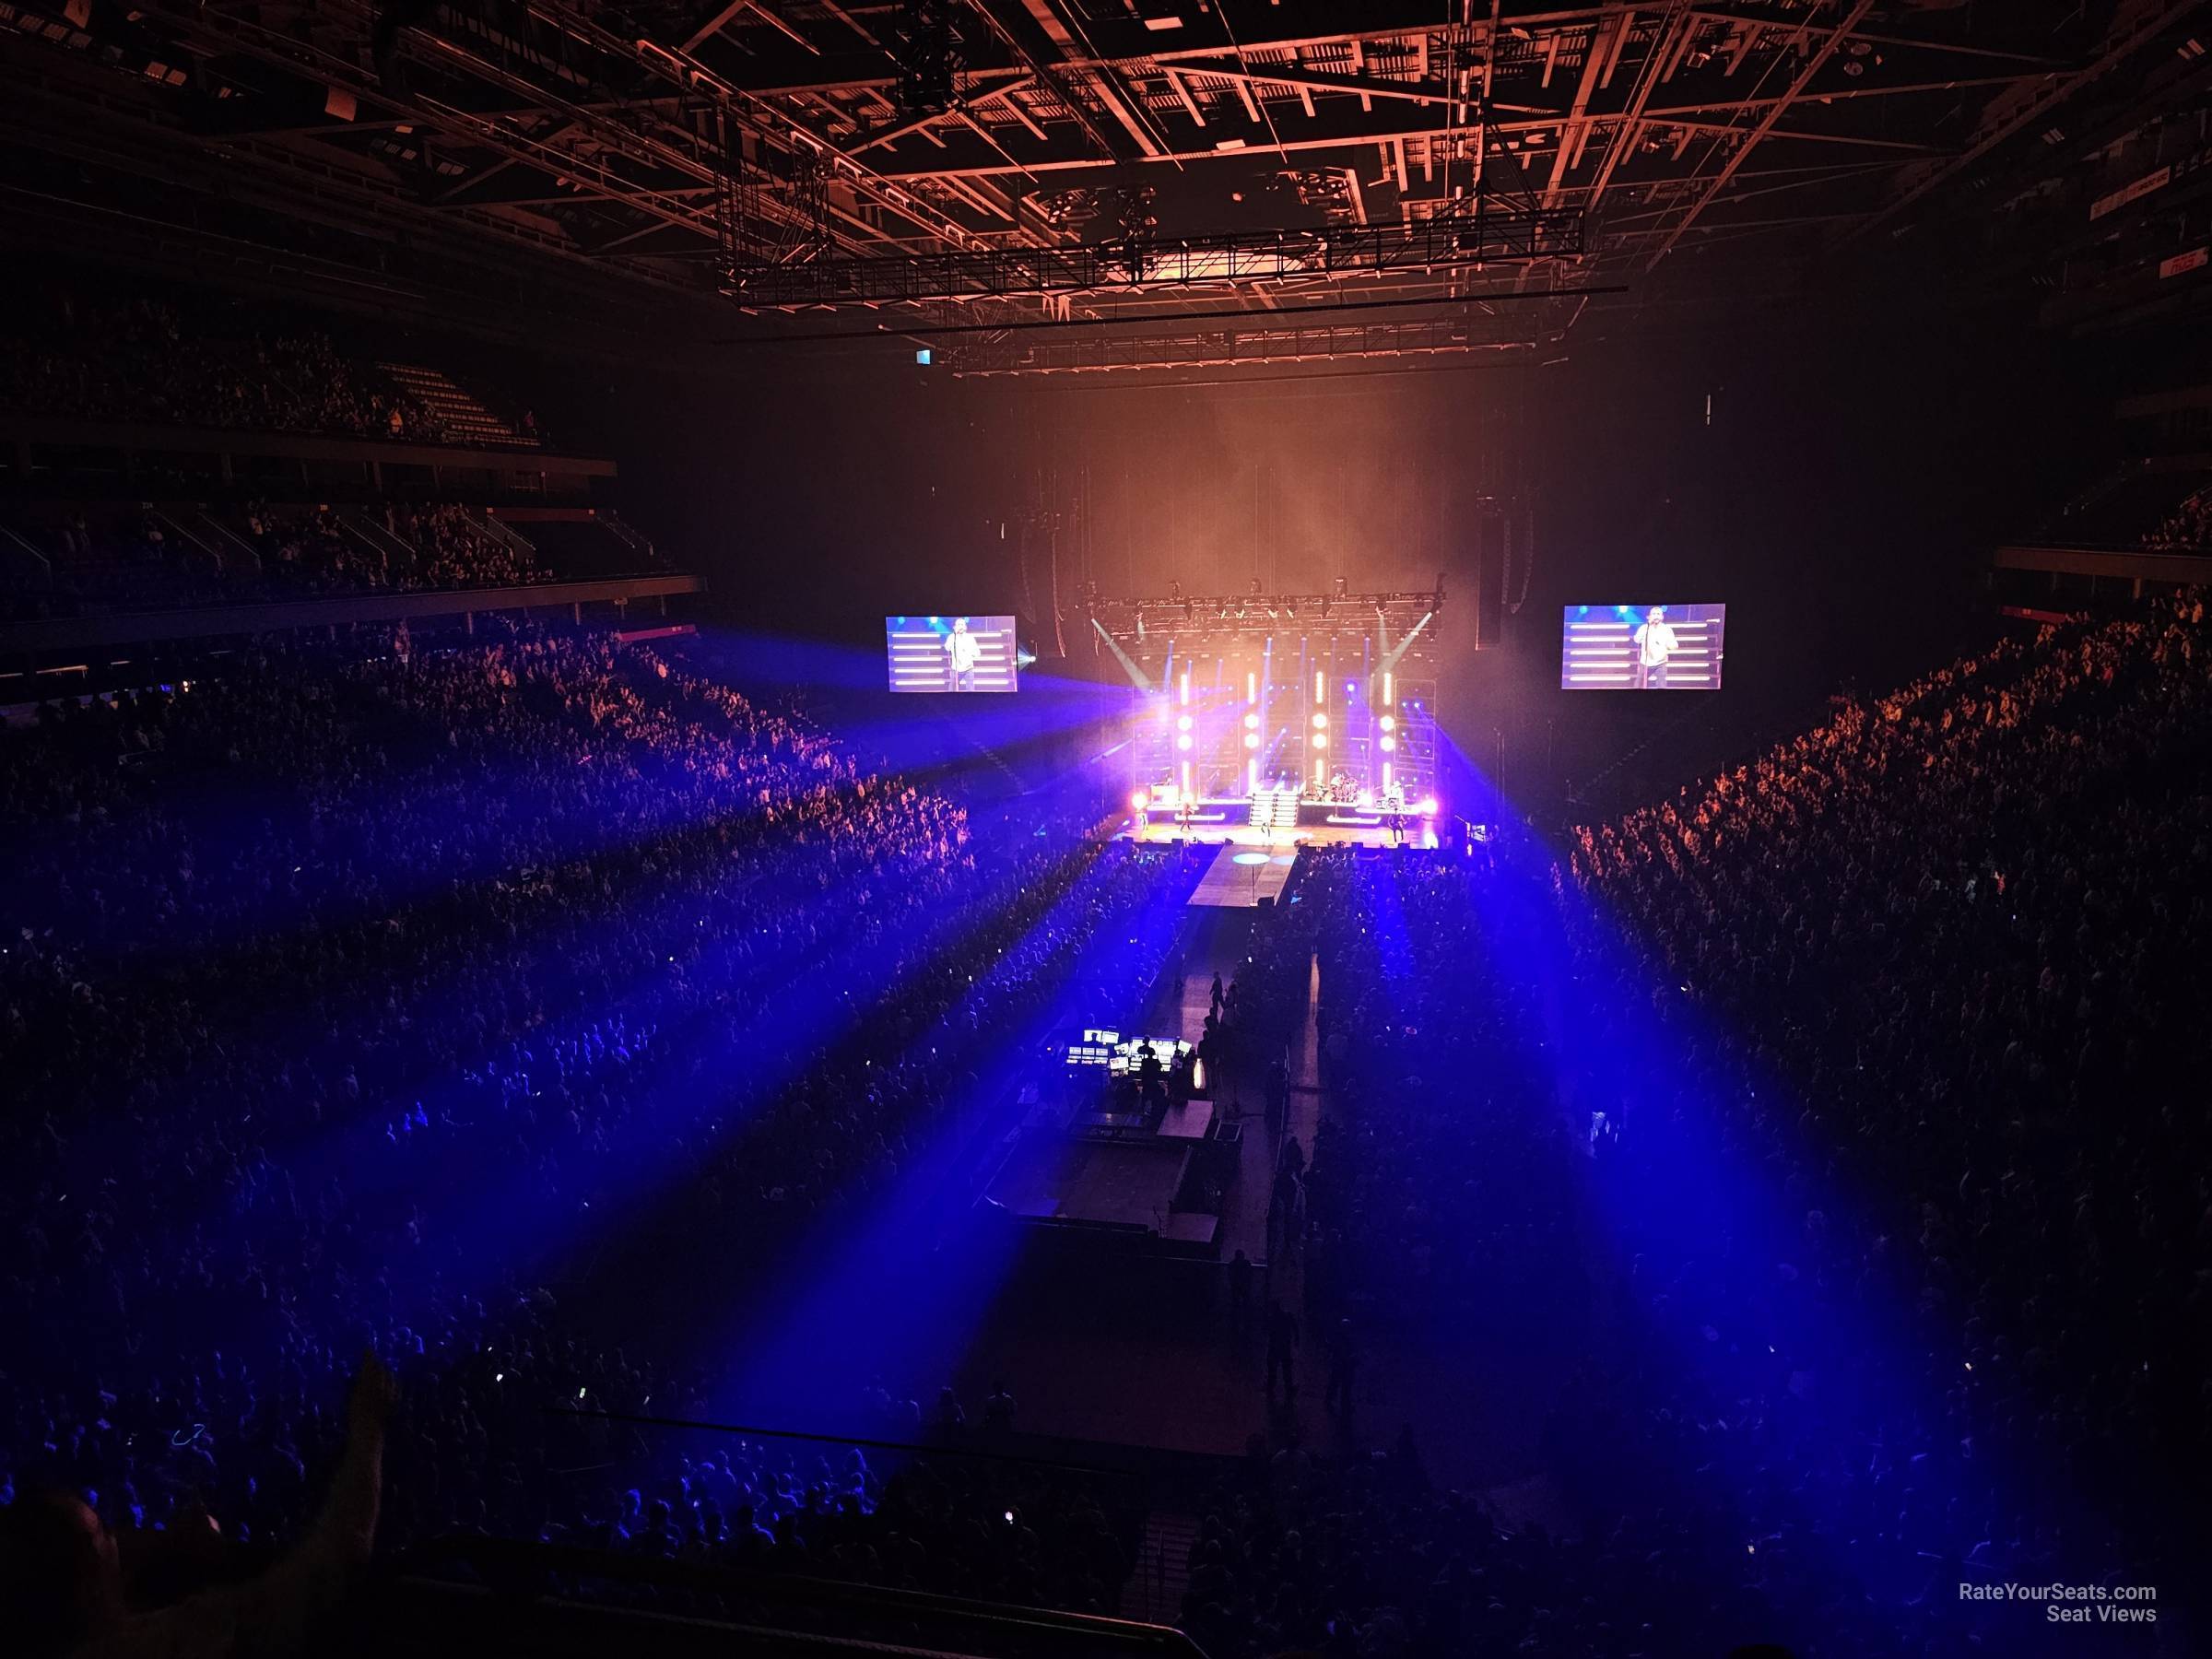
1655 644
964 649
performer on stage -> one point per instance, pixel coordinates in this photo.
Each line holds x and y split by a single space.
962 652
1656 642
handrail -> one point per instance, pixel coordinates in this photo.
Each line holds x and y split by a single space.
2085 558
185 534
233 544
522 1556
34 427
587 1627
276 616
505 533
628 534
23 549
387 547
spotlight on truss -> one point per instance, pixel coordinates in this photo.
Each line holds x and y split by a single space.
927 48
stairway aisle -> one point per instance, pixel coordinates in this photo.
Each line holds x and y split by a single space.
1154 1592
458 410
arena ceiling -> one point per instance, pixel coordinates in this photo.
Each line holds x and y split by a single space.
990 176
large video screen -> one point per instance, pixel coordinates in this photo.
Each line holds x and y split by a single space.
950 653
1642 647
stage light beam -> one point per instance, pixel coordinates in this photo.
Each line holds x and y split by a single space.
1137 677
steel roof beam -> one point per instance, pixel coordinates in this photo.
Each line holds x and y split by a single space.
1854 94
293 56
758 115
1031 43
1543 28
1576 133
1667 43
1742 153
973 162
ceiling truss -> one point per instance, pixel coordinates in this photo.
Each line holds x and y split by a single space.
759 148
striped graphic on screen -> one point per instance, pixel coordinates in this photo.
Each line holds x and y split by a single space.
1598 651
921 660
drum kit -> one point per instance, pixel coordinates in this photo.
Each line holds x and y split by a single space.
1344 790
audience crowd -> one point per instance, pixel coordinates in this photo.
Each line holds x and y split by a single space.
2187 529
149 560
1837 1111
364 1005
1831 1120
161 362
445 546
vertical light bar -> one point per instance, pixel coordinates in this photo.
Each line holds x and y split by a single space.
1321 688
1252 688
1386 688
1266 685
1186 688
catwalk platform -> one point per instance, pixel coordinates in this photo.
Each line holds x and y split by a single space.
1243 878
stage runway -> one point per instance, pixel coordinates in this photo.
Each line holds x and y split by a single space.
1242 878
1153 1353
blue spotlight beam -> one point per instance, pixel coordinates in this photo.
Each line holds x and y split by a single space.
905 1283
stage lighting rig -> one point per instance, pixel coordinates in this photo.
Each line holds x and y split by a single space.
1259 612
928 51
1134 207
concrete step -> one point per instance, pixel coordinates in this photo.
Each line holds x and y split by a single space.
463 414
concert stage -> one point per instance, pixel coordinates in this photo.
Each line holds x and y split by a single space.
1234 822
1268 721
